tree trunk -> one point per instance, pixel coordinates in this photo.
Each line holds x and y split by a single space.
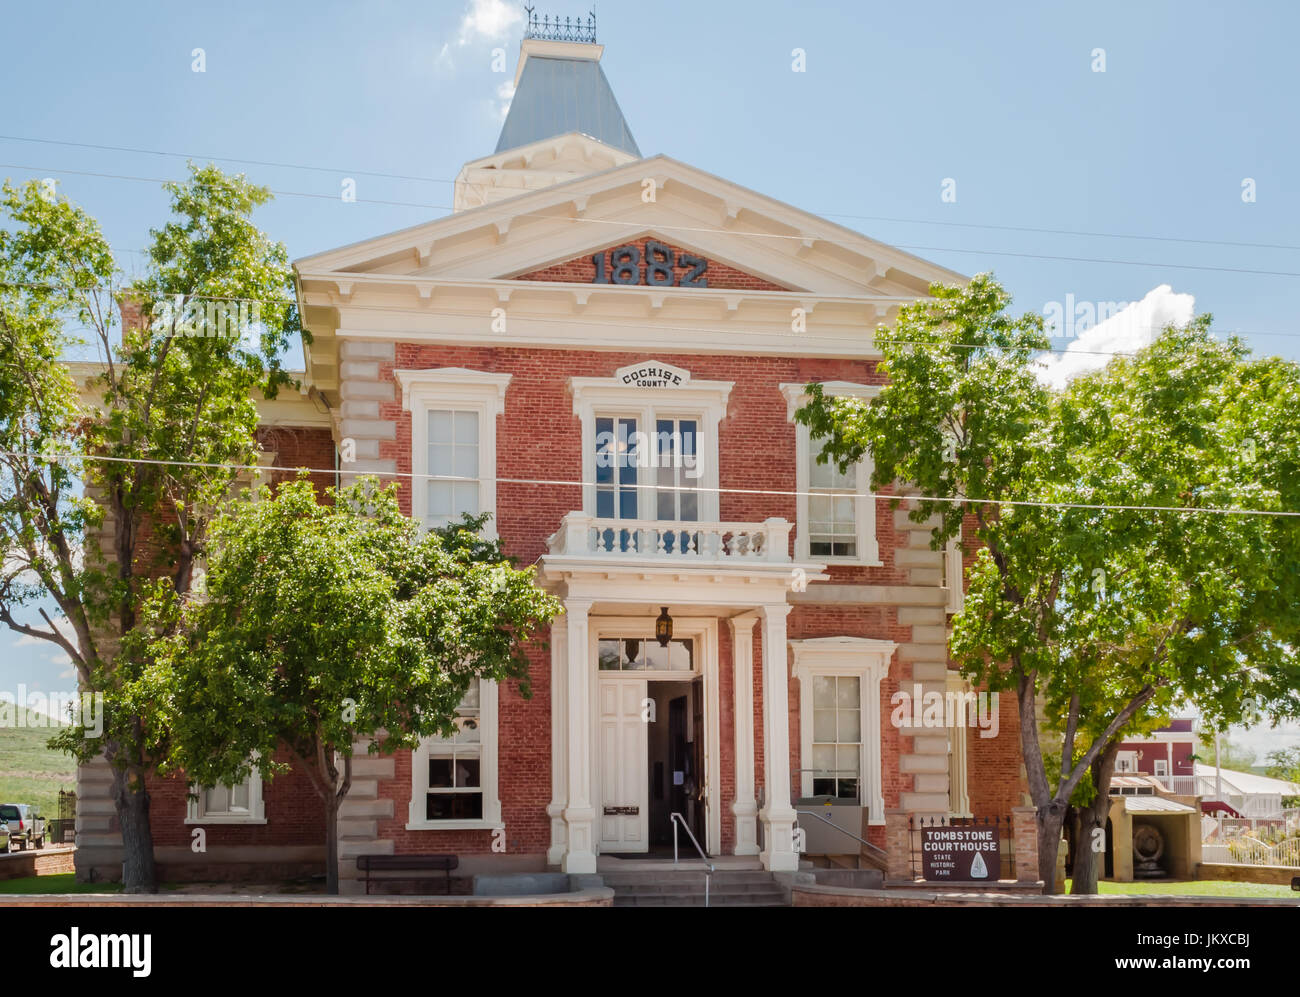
1090 829
332 801
131 801
1051 819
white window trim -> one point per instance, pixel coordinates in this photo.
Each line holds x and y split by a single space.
488 693
194 813
465 390
868 660
868 547
609 396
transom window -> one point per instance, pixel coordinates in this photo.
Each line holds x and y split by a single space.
628 654
455 789
453 436
837 736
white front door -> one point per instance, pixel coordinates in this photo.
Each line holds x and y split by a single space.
623 812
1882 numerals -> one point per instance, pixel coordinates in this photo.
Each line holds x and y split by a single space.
623 266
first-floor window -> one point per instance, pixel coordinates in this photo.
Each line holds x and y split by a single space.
455 786
240 803
840 720
837 736
454 779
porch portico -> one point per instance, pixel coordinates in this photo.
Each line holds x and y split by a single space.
614 576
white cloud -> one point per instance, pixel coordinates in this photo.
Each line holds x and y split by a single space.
1129 330
489 20
505 94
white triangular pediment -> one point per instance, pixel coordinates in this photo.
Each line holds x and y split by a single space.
657 197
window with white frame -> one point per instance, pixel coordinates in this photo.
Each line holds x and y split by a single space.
837 736
832 507
454 779
453 453
453 441
840 728
238 804
835 522
650 453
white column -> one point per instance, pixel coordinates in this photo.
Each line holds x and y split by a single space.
778 815
744 808
559 740
579 815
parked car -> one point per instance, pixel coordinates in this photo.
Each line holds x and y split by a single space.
25 823
4 838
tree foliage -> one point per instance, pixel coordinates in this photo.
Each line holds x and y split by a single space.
1102 614
324 624
152 428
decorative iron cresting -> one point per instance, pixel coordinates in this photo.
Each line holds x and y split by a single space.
553 29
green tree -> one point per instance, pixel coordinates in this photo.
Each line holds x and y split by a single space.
1232 756
1105 615
170 403
321 625
1284 763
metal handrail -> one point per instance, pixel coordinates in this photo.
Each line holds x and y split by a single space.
874 849
675 818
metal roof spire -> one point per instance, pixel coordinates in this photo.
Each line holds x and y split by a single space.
561 87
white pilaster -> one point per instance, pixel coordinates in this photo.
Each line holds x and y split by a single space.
778 815
559 740
579 815
744 808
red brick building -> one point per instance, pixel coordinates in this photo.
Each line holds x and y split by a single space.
606 351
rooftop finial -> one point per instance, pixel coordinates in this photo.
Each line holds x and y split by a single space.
553 29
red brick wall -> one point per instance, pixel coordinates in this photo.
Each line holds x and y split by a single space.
299 446
295 814
539 438
582 270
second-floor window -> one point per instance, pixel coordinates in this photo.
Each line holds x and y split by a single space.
454 453
832 508
453 441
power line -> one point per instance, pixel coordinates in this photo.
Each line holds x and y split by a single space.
707 229
824 214
420 476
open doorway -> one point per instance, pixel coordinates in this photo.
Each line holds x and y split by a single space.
675 763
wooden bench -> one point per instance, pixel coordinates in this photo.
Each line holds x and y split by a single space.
406 863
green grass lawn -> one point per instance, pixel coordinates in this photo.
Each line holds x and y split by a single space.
1199 888
32 773
63 882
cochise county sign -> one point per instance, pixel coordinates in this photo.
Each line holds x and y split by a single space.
652 374
622 265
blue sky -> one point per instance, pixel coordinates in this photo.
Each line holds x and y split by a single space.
1195 98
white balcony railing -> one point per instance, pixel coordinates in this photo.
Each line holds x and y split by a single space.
1179 785
691 542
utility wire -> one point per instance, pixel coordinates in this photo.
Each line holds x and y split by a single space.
419 476
823 214
706 229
